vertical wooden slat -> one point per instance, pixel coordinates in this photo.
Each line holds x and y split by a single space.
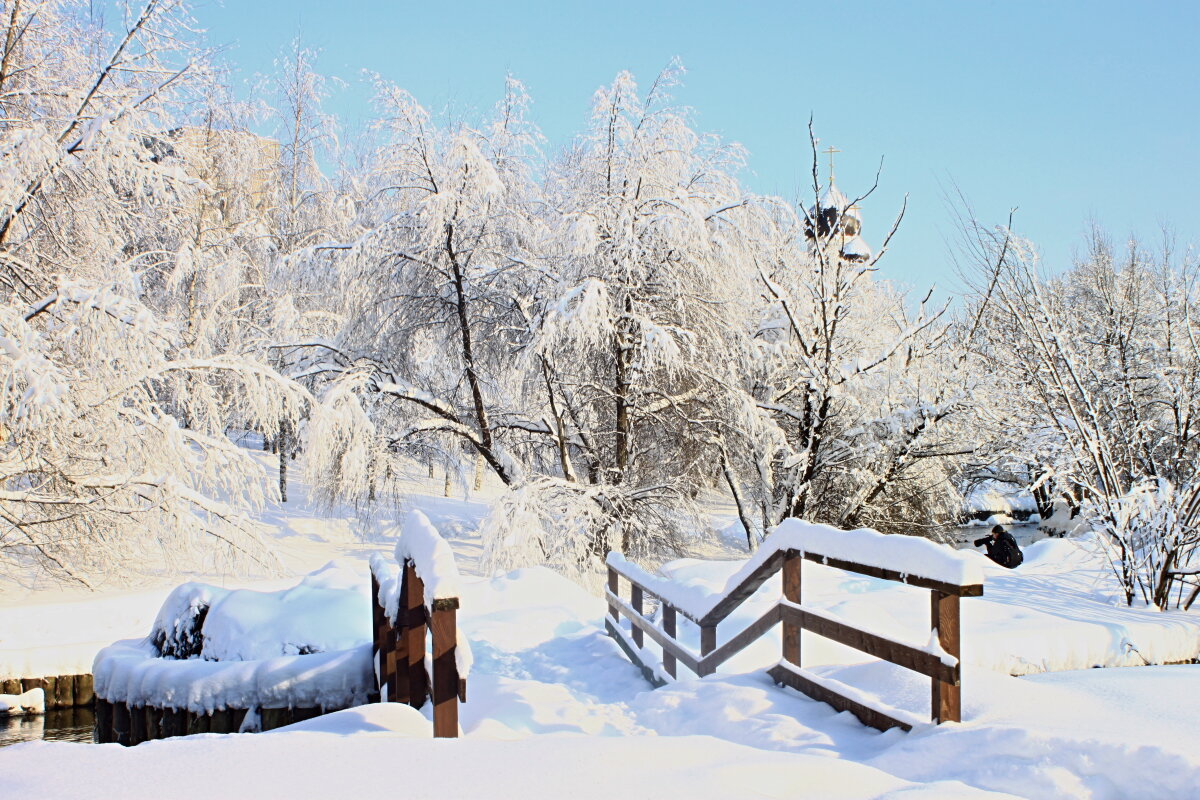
64 691
393 655
84 690
669 629
637 600
612 587
946 699
120 723
377 632
792 562
444 627
396 646
708 643
414 634
103 730
137 724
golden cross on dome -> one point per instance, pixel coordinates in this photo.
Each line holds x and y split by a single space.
831 150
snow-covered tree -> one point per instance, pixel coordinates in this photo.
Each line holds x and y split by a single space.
1104 361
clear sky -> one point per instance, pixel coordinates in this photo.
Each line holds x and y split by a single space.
1069 111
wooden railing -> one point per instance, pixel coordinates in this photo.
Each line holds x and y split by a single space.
400 652
943 670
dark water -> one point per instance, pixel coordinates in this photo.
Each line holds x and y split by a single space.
69 725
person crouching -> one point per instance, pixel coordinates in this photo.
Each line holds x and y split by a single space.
1001 547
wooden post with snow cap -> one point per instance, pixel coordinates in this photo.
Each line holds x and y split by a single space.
426 599
414 685
444 627
792 561
946 701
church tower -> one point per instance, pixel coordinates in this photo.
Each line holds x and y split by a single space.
834 223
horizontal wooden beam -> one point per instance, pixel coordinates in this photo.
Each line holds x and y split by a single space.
970 590
742 592
896 652
647 671
668 644
866 714
740 642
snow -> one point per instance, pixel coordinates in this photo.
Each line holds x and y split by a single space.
129 671
328 610
552 698
856 248
30 702
418 541
432 557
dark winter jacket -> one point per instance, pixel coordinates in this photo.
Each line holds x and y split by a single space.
1003 549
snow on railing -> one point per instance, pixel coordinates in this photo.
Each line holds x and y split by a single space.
948 575
418 591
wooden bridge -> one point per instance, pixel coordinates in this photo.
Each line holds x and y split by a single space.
940 664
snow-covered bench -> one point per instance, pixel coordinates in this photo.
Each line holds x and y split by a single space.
946 573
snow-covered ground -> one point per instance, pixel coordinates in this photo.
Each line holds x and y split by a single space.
555 709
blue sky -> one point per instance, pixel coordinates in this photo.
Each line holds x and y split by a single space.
1068 111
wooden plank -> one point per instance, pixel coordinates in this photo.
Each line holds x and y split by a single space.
444 628
752 633
613 587
120 723
946 696
792 565
413 631
102 733
895 652
64 691
866 715
637 602
85 693
635 657
395 653
174 722
377 632
972 590
668 624
137 725
221 721
742 591
39 683
677 650
708 640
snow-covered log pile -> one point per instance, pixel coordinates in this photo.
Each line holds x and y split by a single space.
211 649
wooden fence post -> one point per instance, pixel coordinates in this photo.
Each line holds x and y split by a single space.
946 703
413 633
444 627
376 634
792 562
708 643
669 629
636 599
612 587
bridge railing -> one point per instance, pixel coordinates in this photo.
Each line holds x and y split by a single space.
420 598
947 575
